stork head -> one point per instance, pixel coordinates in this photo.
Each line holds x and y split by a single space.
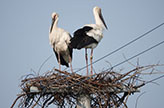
97 10
54 16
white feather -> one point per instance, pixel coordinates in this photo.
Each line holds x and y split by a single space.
96 32
59 40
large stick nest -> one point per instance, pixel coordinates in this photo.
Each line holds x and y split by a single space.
106 89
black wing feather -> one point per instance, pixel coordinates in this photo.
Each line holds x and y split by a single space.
63 62
86 41
70 48
79 35
70 51
80 39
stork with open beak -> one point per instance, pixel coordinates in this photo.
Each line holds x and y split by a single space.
60 42
90 35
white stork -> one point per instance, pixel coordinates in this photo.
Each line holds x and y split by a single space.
90 35
60 41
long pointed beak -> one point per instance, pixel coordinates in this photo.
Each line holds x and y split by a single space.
53 20
101 17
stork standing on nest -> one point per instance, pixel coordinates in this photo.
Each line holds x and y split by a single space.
90 35
60 41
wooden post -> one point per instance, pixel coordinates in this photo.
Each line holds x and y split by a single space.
83 101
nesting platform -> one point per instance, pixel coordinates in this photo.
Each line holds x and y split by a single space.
107 89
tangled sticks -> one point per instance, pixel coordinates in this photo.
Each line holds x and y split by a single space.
106 89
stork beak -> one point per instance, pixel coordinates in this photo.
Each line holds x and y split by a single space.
101 17
53 20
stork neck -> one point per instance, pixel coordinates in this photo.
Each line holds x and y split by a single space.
98 20
55 24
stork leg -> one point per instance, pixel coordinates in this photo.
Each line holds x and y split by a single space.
70 61
59 61
91 57
86 57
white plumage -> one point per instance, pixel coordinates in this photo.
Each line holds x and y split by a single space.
90 35
60 40
96 32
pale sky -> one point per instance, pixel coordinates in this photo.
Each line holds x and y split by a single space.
24 42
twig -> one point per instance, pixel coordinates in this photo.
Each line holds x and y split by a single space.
36 102
17 100
138 98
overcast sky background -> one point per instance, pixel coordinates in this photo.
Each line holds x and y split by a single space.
24 42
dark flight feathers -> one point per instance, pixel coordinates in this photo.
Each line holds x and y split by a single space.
81 39
63 62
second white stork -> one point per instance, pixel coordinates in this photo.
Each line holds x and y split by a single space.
90 35
60 41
